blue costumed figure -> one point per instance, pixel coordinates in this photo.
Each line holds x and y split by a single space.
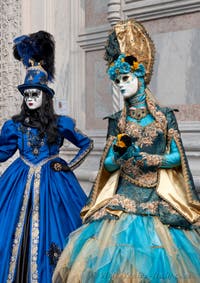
40 197
141 223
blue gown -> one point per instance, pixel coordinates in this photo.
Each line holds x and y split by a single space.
39 207
134 235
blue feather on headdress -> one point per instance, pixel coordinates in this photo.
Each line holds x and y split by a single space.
25 49
38 47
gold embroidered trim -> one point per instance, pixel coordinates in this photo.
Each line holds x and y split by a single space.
149 182
131 128
139 177
34 172
145 135
158 115
177 139
81 158
130 206
35 226
19 230
170 135
152 159
39 164
138 113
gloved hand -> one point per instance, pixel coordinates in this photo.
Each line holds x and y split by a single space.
123 148
58 166
122 143
145 159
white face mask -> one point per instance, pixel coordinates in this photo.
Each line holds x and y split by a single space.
33 98
127 84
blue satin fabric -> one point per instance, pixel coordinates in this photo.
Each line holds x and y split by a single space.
60 195
133 247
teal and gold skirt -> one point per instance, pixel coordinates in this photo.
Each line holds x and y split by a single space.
131 249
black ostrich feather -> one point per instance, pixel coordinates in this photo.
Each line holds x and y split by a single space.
112 48
39 47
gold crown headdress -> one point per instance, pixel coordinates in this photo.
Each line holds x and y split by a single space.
131 38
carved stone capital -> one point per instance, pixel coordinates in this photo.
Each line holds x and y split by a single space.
114 11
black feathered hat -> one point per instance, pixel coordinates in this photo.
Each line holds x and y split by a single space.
36 51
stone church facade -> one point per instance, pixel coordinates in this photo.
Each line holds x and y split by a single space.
83 91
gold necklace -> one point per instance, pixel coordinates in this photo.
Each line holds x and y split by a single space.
138 113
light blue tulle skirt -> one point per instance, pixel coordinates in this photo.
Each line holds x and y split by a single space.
131 249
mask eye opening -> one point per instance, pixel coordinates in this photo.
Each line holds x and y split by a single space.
35 94
32 93
125 78
26 95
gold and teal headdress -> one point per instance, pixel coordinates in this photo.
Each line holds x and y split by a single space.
128 47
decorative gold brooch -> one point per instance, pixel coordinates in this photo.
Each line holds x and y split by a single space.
138 113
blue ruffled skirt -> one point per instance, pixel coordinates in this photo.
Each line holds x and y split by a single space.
131 249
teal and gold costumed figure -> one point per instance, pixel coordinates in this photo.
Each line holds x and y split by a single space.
40 196
141 223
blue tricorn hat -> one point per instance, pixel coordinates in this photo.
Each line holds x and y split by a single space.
36 51
36 77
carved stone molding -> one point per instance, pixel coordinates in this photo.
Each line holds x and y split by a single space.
117 97
190 132
38 15
94 38
114 11
49 18
10 74
9 68
152 9
191 136
77 64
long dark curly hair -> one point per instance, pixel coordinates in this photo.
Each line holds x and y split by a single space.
43 118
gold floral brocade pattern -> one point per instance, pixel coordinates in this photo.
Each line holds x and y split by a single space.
19 230
152 159
145 135
130 206
134 174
